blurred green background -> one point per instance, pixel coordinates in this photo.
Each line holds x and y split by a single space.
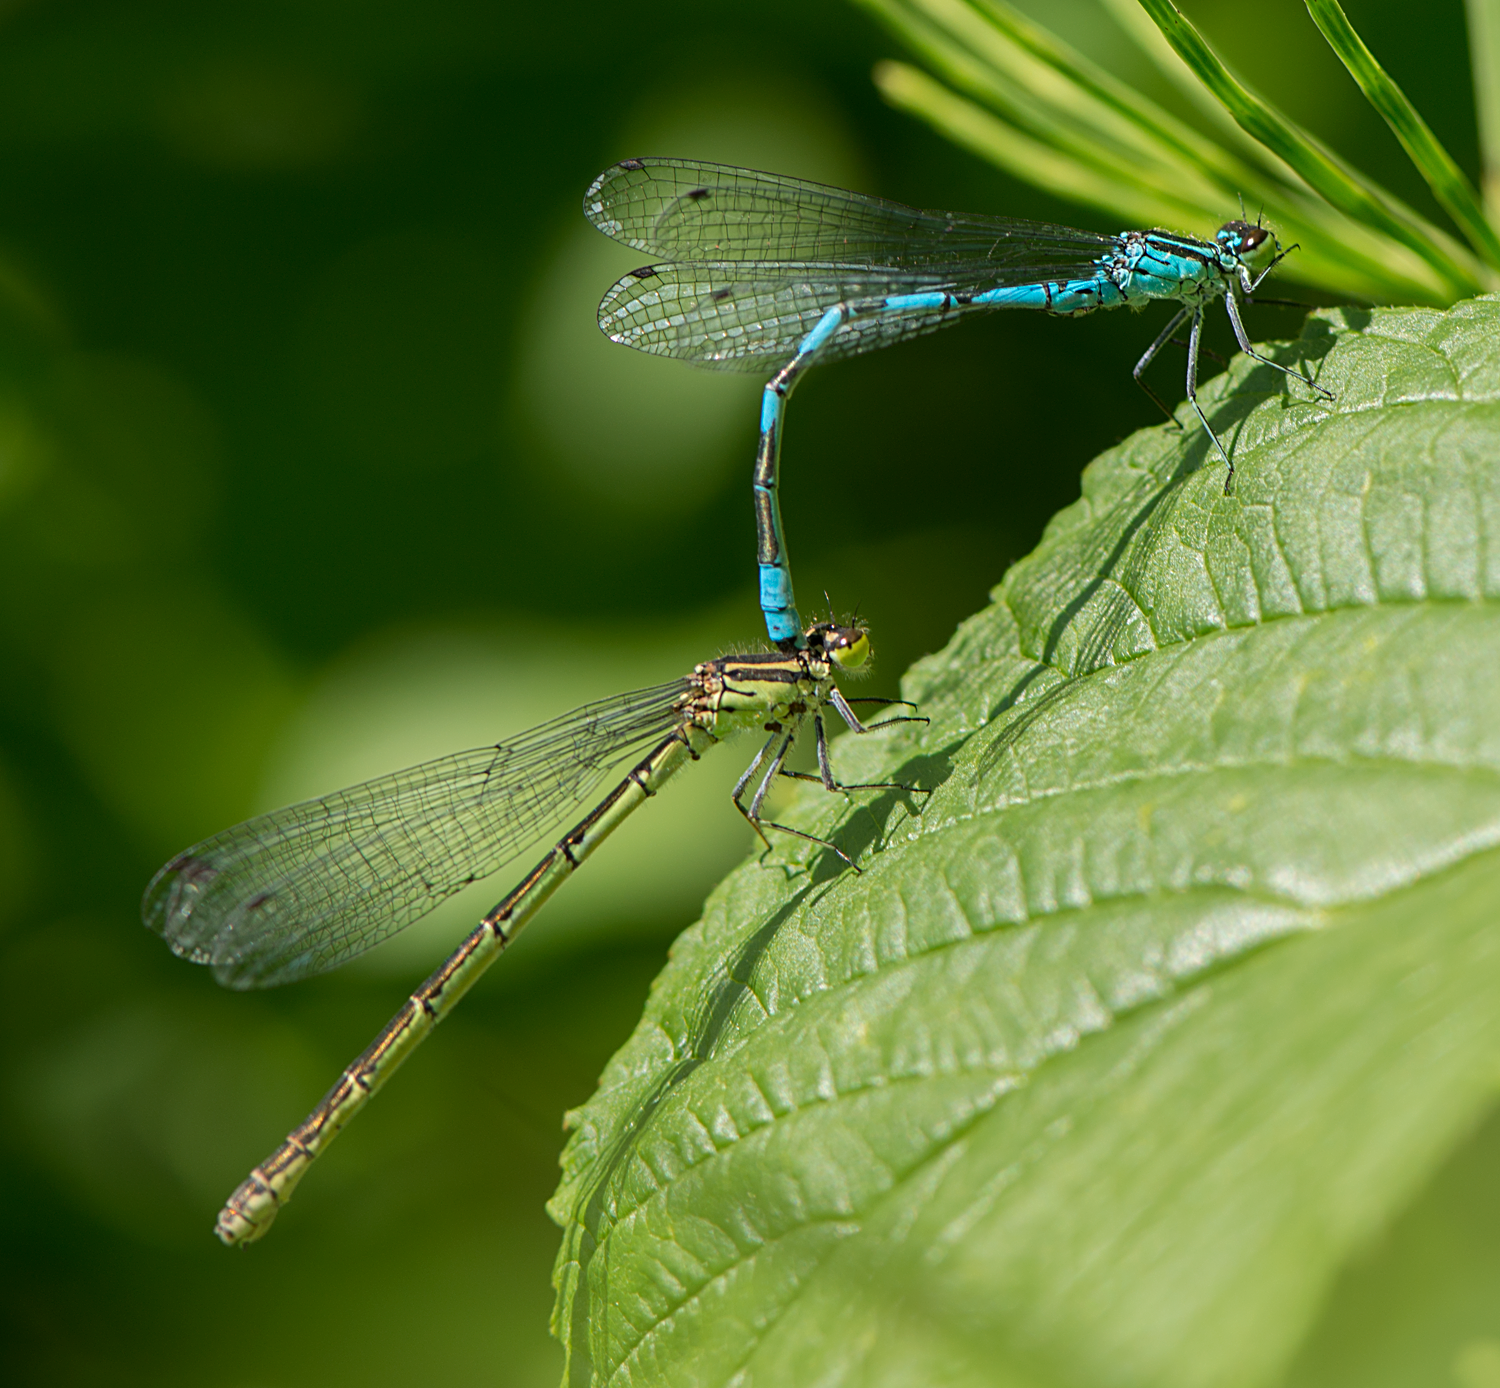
313 463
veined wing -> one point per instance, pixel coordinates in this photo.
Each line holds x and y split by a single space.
685 210
303 889
754 317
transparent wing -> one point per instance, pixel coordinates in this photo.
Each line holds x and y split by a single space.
753 317
684 210
303 889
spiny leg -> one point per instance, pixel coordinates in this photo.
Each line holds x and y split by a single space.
912 717
1204 350
851 718
1149 355
1243 338
753 813
837 699
825 766
825 774
1195 336
744 780
1251 285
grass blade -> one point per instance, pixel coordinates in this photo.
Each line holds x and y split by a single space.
1171 135
1323 170
1450 186
1049 105
1081 134
1138 27
1331 263
1484 59
1365 264
1043 165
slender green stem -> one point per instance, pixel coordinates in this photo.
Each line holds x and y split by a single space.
1449 184
1033 161
1268 182
1484 59
1209 158
1324 171
962 46
1139 28
1072 128
1357 262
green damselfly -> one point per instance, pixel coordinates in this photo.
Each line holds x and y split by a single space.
301 890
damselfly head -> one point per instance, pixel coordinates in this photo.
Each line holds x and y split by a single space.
847 647
1254 246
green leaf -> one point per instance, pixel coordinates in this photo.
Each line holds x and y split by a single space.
1448 182
1173 993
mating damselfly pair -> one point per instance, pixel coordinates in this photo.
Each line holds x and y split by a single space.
758 272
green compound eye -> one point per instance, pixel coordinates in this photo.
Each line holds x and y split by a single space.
854 654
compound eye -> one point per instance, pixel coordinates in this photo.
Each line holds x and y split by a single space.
853 651
1255 245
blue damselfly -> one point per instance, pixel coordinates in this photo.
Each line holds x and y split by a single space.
758 272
